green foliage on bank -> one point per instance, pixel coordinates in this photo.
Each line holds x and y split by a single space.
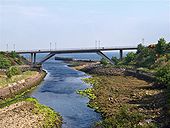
87 92
124 118
104 61
153 56
10 59
51 118
12 71
163 75
4 62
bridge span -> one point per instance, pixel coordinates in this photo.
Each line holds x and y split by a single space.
53 52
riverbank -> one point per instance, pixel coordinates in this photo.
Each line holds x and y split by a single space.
18 111
20 83
125 101
29 113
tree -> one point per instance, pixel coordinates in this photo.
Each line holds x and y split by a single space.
140 48
161 46
130 57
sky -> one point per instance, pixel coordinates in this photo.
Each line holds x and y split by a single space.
34 24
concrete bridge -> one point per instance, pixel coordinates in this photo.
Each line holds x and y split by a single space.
52 52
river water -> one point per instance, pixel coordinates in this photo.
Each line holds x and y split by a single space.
58 91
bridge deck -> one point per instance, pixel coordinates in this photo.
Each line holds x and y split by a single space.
92 50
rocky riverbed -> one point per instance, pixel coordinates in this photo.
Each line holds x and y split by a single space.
125 101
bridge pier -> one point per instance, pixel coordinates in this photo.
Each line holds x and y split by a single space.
121 54
31 58
34 58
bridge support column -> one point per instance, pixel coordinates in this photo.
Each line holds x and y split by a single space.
105 57
121 54
34 58
46 58
31 59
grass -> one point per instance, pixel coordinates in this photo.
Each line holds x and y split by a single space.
4 81
87 92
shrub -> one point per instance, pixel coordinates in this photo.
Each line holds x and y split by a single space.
4 63
103 61
163 75
12 71
130 57
161 46
115 60
13 54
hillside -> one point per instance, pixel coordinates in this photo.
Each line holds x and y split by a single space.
11 59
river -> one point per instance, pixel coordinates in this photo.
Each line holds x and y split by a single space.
58 91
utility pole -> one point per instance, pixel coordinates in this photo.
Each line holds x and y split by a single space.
55 45
14 47
96 44
143 41
50 46
99 44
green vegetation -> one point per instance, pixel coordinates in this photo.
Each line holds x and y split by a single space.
10 59
51 118
163 75
12 71
4 62
13 74
104 61
87 92
124 118
152 57
112 96
4 81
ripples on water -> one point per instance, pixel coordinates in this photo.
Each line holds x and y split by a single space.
58 91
